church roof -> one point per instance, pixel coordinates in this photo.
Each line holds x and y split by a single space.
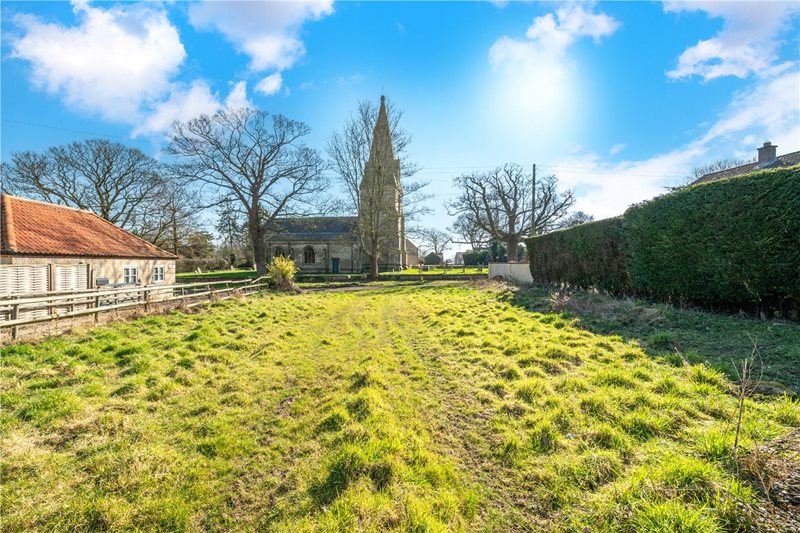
313 229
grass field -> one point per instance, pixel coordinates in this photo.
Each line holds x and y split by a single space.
418 408
440 271
249 274
216 274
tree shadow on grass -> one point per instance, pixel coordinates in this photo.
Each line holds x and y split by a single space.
665 331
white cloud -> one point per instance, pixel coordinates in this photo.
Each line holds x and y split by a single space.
184 103
268 32
238 96
550 35
747 43
617 148
113 62
271 84
768 110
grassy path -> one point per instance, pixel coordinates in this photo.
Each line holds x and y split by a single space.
418 408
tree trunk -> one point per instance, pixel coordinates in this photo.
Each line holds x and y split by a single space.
513 247
373 265
257 240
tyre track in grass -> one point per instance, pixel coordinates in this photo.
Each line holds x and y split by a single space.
454 413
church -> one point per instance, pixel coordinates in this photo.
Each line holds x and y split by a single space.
342 244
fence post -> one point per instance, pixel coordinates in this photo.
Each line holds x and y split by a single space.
146 301
96 308
14 314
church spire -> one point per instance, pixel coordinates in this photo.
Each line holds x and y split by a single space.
381 148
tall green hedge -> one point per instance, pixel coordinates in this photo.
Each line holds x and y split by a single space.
585 256
735 241
729 242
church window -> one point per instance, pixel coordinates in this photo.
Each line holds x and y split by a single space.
308 255
279 252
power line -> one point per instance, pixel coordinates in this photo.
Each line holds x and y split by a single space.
70 130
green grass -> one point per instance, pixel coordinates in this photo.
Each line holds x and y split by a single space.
250 274
675 334
216 274
440 271
424 408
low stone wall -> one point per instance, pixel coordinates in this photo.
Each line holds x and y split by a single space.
514 272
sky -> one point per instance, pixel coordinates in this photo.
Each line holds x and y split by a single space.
620 100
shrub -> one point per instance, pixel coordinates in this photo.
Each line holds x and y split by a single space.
282 270
734 241
589 255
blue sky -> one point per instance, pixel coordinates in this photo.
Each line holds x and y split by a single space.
618 99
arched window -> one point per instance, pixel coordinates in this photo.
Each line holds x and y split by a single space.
308 255
279 252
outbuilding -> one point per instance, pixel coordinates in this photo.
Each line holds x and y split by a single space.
51 248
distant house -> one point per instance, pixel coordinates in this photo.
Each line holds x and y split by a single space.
46 247
458 260
767 158
434 259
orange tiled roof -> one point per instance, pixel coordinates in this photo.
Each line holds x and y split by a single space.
30 227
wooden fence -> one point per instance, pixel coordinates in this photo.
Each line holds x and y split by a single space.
28 309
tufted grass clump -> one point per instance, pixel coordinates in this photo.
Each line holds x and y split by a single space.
410 408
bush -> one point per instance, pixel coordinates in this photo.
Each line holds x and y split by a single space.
735 241
282 271
589 255
477 257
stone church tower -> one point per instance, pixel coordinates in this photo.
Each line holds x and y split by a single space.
381 204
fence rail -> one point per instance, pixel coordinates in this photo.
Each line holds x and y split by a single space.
27 309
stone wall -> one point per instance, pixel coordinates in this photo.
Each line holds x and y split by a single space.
102 267
324 251
514 272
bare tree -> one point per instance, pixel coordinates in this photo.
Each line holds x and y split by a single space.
350 150
467 229
232 231
577 218
257 159
116 182
717 166
434 240
499 203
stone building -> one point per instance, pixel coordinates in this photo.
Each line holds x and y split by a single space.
46 247
337 244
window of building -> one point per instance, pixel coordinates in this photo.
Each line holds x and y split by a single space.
279 252
130 274
308 255
158 273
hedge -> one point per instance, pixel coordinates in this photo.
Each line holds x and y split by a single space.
730 242
589 255
735 241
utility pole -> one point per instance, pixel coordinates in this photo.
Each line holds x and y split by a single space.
533 203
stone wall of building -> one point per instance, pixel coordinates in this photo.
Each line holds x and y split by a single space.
347 253
102 267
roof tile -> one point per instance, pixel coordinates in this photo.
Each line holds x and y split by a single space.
32 227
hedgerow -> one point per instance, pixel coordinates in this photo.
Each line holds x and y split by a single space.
589 255
733 242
